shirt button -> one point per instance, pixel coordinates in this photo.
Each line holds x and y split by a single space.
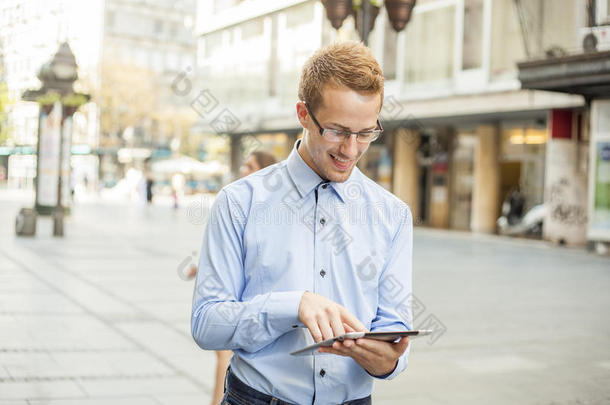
322 373
322 273
322 221
324 186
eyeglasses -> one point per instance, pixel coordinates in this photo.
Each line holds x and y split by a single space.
340 135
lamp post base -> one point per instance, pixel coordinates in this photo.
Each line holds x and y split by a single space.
58 221
25 223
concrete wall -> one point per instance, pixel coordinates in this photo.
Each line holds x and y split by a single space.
565 190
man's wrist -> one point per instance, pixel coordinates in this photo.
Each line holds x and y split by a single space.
385 375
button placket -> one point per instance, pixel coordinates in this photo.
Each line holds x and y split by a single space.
323 258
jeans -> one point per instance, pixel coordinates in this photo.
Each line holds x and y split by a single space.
238 393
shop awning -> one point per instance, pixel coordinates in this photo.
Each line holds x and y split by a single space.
587 74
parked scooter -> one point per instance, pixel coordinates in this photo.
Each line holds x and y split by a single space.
530 224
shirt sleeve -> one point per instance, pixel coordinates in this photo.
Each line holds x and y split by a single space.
219 319
394 311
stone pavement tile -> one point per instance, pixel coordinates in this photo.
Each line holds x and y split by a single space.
148 290
70 332
18 338
498 364
23 283
201 366
135 400
73 365
3 373
174 311
30 364
37 303
136 386
83 293
199 399
89 296
411 399
8 267
129 363
39 389
159 338
604 364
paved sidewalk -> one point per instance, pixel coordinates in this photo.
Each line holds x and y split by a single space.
101 316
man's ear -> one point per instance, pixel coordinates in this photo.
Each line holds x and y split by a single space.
302 113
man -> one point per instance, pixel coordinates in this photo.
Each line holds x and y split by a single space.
308 249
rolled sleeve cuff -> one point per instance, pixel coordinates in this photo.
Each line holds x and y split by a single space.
283 308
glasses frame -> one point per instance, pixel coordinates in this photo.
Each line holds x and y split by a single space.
348 133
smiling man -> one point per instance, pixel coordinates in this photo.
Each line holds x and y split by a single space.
309 249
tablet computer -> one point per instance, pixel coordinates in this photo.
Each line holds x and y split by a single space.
386 336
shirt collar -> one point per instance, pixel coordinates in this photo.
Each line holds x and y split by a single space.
306 179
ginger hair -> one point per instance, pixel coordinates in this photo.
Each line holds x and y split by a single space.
343 64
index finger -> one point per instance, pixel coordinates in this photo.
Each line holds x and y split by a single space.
352 321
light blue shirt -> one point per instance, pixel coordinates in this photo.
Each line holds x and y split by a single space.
267 241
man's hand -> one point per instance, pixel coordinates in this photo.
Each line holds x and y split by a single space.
375 356
326 319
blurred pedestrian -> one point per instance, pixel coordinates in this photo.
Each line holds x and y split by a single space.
149 190
514 205
256 161
177 184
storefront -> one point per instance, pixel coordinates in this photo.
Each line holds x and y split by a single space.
464 171
572 173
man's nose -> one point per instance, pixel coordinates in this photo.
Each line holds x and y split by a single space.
349 147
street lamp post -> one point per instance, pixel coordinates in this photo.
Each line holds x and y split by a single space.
58 103
365 12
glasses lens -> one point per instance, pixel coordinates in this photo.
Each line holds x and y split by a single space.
333 135
369 136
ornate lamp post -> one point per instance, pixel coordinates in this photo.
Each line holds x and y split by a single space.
399 13
58 103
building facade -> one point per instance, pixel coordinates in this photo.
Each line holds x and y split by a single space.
461 133
147 39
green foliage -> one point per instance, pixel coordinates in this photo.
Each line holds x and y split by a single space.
356 4
49 98
74 100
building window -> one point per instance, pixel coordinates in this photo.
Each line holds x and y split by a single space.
110 19
429 46
253 28
301 14
530 29
158 26
473 34
221 5
390 39
211 43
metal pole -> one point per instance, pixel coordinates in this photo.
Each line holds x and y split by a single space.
365 29
58 215
591 17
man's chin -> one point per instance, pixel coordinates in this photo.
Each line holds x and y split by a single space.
339 176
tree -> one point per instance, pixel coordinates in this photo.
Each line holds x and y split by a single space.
132 97
4 107
126 96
